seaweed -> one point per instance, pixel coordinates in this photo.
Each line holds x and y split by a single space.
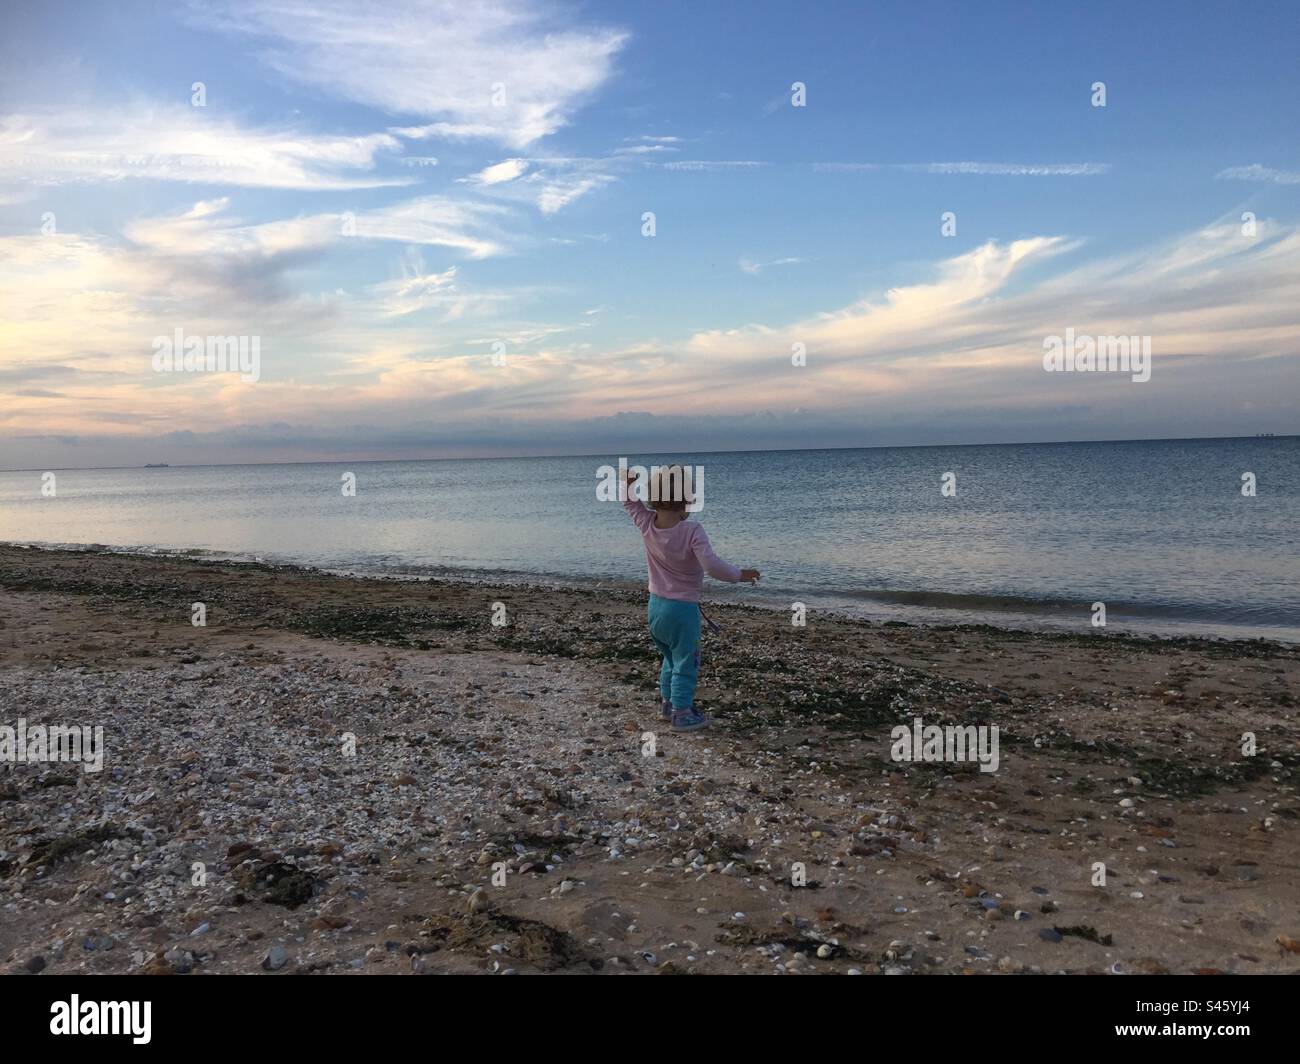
51 851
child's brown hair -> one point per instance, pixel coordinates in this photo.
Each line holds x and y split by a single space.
668 489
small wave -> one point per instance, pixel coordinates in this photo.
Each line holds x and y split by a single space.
910 606
1048 606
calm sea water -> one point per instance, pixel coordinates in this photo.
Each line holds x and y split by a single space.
1158 531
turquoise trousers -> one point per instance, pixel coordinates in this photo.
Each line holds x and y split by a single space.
675 628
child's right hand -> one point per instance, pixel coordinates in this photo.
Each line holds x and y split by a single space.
749 576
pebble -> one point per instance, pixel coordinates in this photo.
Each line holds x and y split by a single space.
276 958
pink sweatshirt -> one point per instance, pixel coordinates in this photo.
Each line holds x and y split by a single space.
678 557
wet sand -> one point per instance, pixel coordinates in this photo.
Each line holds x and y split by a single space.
329 776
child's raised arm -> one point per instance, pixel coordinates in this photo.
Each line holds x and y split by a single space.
642 516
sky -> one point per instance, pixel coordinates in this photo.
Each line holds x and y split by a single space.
431 219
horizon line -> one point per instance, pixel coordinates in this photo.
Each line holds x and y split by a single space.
600 454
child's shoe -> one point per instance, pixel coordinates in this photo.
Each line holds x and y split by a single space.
666 710
688 720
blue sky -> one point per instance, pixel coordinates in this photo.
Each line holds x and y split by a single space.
495 161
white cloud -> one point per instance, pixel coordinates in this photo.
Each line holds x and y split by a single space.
555 182
753 267
183 144
552 183
417 290
985 169
466 226
846 168
709 165
1255 172
500 172
649 145
1012 169
558 192
470 227
439 60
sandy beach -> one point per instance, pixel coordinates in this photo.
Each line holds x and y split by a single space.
330 774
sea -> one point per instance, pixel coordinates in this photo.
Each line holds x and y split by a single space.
1181 537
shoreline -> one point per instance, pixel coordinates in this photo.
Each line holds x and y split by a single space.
521 748
892 607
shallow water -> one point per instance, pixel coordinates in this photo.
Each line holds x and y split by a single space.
1157 530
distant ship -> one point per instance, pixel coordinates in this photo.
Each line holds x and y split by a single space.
156 465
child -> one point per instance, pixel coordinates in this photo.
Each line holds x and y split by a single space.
678 554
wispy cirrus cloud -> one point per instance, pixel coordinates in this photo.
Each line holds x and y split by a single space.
649 145
55 147
644 149
708 165
511 73
549 184
417 289
1256 172
752 266
558 193
552 183
977 168
467 226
